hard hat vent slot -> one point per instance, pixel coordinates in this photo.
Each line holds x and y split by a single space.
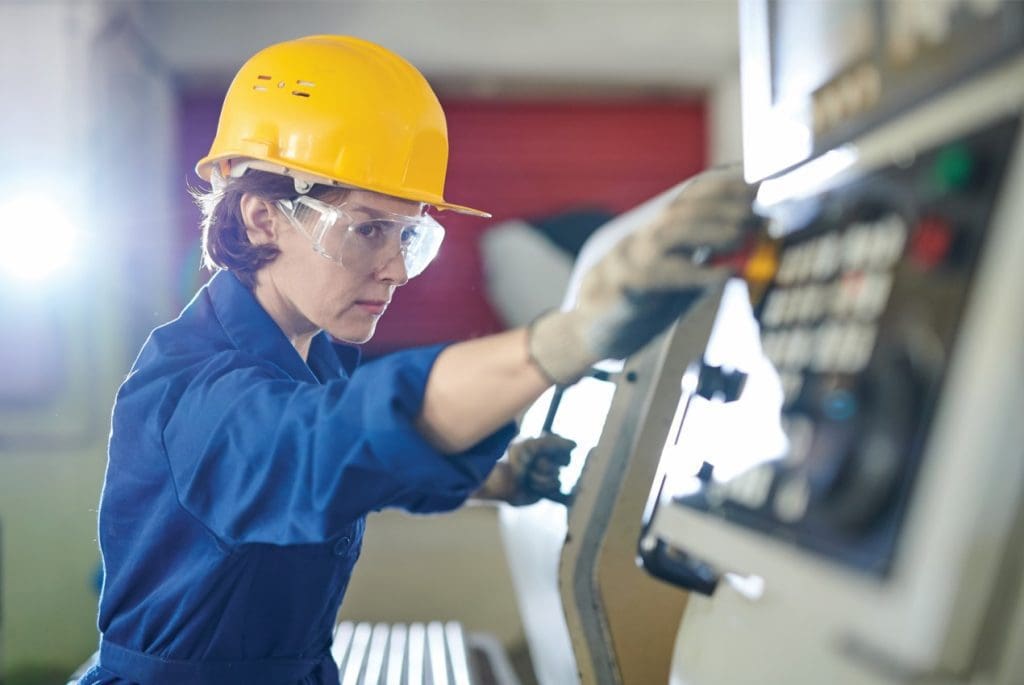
308 84
261 89
264 77
300 94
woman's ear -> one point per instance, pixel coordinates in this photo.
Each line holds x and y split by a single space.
260 217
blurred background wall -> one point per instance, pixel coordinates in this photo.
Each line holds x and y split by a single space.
554 107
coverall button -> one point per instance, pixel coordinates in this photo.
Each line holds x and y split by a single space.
342 545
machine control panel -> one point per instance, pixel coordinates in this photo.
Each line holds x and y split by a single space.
859 325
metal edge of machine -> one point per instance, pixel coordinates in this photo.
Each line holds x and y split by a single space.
606 510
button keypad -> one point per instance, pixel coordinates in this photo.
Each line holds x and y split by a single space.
821 315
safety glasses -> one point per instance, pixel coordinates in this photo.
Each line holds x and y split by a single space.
364 239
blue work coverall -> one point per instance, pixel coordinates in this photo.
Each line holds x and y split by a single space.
237 486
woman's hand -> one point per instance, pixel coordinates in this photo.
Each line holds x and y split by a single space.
530 469
648 280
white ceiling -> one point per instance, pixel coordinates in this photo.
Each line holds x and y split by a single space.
481 46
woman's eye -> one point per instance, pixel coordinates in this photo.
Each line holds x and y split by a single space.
409 234
369 229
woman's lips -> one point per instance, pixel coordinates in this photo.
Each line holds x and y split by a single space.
375 307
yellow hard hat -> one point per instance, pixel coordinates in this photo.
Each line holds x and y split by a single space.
336 110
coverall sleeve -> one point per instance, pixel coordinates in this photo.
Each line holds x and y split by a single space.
257 456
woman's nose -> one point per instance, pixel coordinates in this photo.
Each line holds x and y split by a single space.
394 270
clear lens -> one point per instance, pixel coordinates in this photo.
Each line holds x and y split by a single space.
365 239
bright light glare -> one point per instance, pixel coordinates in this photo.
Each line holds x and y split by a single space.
709 431
807 179
38 239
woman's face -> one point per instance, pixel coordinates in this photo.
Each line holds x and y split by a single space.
318 293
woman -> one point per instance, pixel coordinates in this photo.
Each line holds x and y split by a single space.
247 448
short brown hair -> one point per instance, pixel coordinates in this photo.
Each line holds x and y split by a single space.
225 242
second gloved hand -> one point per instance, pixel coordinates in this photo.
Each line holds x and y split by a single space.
647 280
529 472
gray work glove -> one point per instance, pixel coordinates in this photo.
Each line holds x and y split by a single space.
529 472
647 280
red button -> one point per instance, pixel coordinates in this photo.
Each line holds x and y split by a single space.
929 246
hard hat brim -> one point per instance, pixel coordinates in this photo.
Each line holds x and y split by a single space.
461 209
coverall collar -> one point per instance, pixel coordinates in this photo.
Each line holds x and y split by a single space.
252 330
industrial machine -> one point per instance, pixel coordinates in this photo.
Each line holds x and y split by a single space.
832 482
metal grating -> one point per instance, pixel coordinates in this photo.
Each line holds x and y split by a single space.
399 654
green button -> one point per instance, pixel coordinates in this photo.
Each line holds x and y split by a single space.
953 168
